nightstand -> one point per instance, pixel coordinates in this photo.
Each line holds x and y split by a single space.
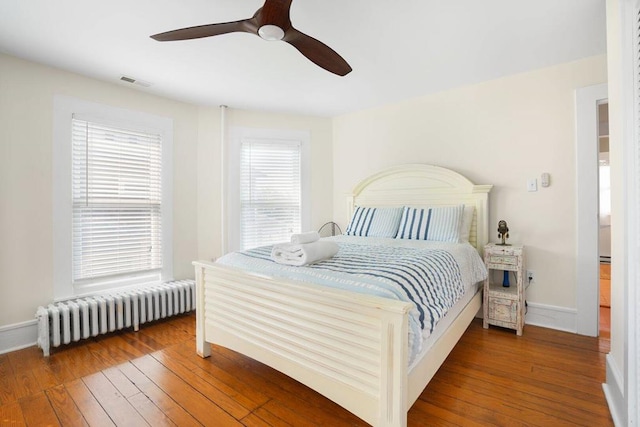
504 306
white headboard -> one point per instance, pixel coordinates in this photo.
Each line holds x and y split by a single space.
422 186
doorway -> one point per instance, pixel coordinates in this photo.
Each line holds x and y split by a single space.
604 220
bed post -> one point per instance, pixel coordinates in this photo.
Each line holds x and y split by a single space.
482 210
393 370
202 347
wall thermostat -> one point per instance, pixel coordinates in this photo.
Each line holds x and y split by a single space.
545 180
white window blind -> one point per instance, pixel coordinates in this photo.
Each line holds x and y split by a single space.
270 191
117 201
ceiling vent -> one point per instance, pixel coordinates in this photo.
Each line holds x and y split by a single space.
135 82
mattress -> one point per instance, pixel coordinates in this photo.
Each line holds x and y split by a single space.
434 276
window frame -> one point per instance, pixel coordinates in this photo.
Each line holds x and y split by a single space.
237 135
64 110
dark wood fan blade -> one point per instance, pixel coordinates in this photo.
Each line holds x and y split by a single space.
275 12
317 52
245 26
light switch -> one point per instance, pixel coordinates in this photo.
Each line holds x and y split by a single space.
532 184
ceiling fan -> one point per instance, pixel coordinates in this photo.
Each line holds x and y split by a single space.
270 22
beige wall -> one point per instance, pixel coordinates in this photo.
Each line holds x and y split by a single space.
500 132
26 101
26 248
209 161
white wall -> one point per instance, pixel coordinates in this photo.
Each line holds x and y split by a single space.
209 163
500 132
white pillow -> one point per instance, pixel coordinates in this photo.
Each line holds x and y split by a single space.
374 222
465 224
440 224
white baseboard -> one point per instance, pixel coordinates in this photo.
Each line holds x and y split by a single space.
18 336
550 316
614 394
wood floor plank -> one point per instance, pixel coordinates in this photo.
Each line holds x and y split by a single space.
281 388
296 415
5 364
141 342
115 348
532 385
475 412
150 412
225 401
200 407
82 360
45 376
90 408
247 395
503 404
11 415
557 405
165 333
524 365
503 346
37 411
114 404
65 408
426 412
8 388
120 381
253 420
26 383
502 353
60 368
26 359
72 362
167 405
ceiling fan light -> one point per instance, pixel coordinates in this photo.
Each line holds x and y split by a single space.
271 32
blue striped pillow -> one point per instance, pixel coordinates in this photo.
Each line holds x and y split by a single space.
374 222
441 224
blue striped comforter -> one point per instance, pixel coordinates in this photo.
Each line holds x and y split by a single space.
433 276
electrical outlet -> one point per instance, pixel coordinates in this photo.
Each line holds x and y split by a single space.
530 276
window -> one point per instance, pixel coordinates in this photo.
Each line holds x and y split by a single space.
270 192
117 201
268 186
112 198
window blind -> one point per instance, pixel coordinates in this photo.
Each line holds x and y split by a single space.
117 201
270 191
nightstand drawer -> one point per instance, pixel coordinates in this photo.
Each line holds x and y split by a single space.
503 310
503 259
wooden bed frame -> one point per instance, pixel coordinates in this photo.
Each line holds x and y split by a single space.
351 348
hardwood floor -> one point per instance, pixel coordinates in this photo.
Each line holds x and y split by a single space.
154 377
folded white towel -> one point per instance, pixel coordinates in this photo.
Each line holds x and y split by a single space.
303 254
308 237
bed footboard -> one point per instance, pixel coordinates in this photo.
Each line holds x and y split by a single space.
351 350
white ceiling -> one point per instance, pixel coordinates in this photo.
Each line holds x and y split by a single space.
398 49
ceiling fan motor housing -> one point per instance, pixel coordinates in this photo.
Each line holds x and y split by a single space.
273 20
